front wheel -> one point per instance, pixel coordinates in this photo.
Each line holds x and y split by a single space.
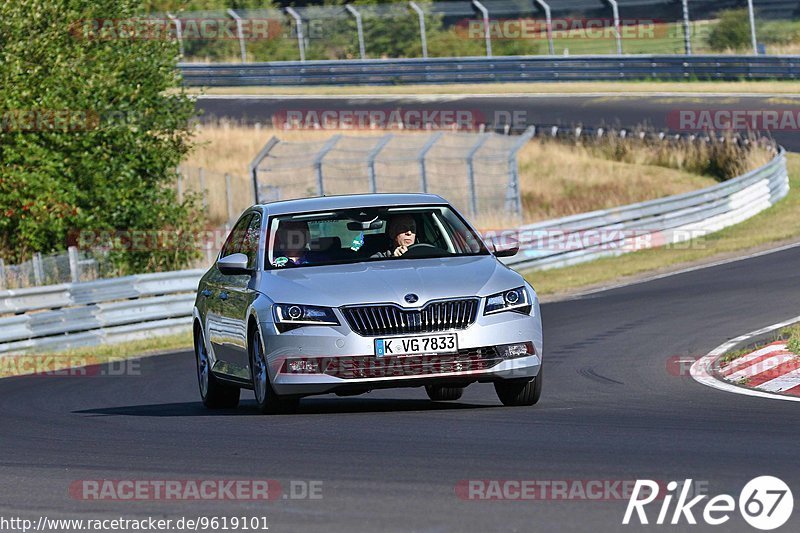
519 392
215 395
268 402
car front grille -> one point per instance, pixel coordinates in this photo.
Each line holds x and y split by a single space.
372 320
466 360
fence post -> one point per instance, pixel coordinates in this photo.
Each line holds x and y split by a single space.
422 37
203 190
327 147
752 14
260 156
228 198
687 28
178 31
486 31
2 274
239 33
359 29
209 253
549 24
514 195
473 198
74 265
38 274
423 172
299 25
615 9
373 179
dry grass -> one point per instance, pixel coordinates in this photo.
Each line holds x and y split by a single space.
559 180
556 179
778 224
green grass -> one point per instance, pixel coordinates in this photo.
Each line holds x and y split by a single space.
792 336
733 355
781 223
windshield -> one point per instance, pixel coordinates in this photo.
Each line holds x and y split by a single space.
369 234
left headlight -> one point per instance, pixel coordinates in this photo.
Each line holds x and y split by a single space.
516 300
304 315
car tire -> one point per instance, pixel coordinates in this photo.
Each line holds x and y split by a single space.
214 393
519 392
439 393
268 402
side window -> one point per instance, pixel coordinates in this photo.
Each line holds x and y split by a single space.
233 244
250 240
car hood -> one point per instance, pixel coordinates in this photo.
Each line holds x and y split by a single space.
389 281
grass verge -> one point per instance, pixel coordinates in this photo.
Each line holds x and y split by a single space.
781 223
792 335
53 363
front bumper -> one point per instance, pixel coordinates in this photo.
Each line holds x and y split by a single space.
352 365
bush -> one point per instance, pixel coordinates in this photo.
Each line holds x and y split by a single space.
779 32
93 129
721 159
732 32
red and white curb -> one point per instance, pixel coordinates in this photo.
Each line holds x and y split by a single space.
769 372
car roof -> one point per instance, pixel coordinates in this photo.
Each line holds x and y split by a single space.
349 201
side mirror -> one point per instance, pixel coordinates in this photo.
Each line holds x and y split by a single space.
507 251
233 264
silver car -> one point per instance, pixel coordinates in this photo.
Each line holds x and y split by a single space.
346 294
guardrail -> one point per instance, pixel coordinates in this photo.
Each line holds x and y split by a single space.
133 307
493 69
660 222
111 310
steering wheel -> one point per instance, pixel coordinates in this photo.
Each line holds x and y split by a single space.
421 249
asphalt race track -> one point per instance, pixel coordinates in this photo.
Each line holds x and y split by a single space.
658 111
611 410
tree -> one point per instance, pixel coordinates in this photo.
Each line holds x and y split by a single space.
94 125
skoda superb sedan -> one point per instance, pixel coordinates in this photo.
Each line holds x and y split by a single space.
353 293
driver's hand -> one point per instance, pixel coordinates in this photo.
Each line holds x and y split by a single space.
400 250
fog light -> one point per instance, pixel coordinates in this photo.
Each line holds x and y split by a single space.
510 351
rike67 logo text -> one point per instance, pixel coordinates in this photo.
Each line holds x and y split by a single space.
765 503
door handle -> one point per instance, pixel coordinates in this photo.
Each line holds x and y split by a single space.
223 295
206 293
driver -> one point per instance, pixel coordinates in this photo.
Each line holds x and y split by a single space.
402 231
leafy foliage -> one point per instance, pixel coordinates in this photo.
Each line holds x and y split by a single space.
732 32
93 129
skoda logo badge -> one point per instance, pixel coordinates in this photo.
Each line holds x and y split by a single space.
411 298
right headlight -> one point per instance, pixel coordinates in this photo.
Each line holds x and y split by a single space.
516 300
288 316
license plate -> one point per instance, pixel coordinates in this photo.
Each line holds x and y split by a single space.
417 345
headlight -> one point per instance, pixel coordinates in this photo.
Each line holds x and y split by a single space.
513 300
304 315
